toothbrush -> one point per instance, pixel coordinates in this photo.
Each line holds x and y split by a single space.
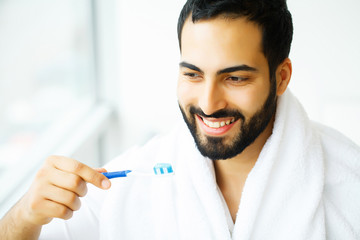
159 169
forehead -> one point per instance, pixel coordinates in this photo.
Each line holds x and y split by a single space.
220 42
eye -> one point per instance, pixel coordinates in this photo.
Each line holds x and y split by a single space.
237 79
191 74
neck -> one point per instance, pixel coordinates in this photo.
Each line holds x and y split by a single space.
237 168
231 174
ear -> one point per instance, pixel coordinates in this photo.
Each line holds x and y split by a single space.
283 75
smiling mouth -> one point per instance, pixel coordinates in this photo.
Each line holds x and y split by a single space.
214 123
217 124
214 126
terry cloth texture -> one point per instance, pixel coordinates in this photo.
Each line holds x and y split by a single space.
304 186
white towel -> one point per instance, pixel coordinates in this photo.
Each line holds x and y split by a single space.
304 186
282 196
291 193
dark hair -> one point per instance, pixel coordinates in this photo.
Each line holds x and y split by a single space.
272 16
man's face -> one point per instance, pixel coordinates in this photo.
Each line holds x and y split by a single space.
224 90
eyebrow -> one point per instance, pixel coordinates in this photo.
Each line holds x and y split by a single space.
190 66
242 67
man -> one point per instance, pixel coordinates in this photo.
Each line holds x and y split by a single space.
259 169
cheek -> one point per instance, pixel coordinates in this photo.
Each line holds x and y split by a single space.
186 93
250 99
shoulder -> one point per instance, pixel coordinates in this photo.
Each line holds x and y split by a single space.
330 136
341 156
338 150
342 181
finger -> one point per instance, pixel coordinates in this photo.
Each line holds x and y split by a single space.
69 181
55 210
63 197
43 210
85 172
100 170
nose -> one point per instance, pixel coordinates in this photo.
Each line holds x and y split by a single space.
212 98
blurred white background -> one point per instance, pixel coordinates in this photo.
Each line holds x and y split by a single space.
325 56
89 79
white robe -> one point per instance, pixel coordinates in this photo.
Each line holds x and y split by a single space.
305 185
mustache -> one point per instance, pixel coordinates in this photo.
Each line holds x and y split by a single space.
222 113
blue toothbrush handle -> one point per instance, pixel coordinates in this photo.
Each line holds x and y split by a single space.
110 175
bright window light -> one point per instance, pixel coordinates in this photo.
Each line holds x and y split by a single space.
47 77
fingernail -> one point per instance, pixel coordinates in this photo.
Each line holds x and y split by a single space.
105 184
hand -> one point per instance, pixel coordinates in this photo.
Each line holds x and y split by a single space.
56 189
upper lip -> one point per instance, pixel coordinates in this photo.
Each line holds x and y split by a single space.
218 119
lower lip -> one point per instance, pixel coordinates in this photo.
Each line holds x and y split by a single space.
214 131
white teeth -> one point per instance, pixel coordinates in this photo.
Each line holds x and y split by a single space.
218 124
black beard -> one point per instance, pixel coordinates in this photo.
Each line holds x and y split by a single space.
214 147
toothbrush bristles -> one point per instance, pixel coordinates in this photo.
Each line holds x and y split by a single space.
163 168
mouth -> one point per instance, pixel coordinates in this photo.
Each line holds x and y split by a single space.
217 124
214 126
